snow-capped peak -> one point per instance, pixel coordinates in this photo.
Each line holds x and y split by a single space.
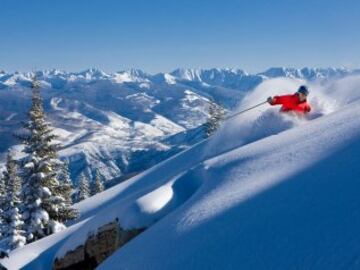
93 74
305 73
131 75
190 74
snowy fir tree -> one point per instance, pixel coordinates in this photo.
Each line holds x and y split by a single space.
83 191
2 186
12 229
40 193
97 185
2 201
65 181
65 189
216 115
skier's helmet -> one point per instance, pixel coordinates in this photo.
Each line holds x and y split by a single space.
303 90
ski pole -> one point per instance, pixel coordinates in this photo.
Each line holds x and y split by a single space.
248 109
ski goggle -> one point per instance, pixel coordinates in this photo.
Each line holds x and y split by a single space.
305 94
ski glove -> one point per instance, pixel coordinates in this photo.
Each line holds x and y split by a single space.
270 100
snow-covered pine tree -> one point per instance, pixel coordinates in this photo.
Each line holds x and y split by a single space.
13 233
2 186
40 193
216 115
65 190
97 185
64 178
83 191
2 201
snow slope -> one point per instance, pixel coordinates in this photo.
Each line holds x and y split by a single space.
282 196
290 201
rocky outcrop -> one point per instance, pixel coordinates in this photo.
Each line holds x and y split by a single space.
97 248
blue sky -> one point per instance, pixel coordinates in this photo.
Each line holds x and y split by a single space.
160 35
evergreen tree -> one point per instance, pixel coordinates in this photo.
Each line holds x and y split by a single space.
65 190
64 179
83 191
2 202
13 233
216 115
97 185
40 193
2 186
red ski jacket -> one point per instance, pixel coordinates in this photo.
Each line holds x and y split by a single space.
291 103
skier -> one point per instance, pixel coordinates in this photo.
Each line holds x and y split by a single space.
293 103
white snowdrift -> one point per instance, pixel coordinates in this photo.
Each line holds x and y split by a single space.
236 201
